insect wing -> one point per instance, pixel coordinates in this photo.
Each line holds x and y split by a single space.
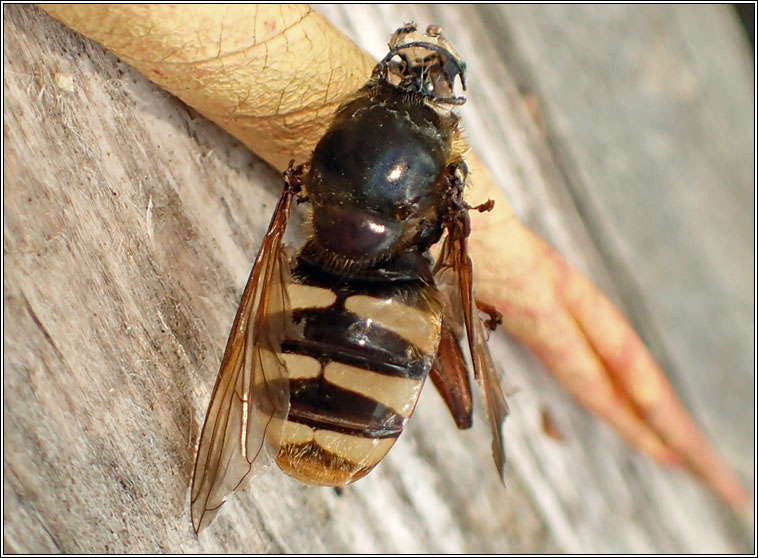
251 395
453 275
494 400
449 372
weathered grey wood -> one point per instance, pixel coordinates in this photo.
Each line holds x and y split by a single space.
130 224
665 186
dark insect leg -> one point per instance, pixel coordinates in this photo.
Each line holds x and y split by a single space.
495 317
293 181
489 205
456 177
450 376
456 211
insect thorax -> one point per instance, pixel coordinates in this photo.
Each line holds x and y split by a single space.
375 181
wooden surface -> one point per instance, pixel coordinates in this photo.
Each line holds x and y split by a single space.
130 224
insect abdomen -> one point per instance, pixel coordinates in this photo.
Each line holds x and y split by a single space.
356 364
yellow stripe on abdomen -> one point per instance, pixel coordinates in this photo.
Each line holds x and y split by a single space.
300 367
308 296
398 393
328 458
418 327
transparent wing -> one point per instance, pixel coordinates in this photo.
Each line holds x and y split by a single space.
453 276
449 373
251 396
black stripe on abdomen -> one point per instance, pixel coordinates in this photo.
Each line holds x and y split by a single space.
320 404
333 334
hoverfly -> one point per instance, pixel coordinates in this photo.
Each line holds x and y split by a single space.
330 348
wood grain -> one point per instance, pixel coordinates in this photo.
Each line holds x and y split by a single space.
130 224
